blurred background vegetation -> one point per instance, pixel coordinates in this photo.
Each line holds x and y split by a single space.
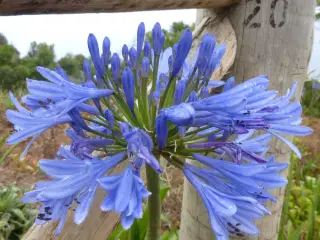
301 210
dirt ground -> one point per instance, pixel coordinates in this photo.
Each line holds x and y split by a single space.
25 173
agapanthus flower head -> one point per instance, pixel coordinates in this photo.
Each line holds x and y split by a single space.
160 106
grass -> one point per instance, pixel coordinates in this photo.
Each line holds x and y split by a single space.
5 101
301 208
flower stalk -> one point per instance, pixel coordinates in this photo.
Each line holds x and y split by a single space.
154 205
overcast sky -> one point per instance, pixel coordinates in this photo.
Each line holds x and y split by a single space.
69 32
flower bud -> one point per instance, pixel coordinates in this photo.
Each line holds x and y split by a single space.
125 53
128 87
140 38
157 39
133 56
145 67
115 67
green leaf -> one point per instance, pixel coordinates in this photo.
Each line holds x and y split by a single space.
6 153
19 213
285 208
3 223
165 235
168 96
116 234
295 235
125 110
313 212
134 231
3 140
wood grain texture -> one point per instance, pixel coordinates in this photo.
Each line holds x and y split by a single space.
274 37
194 217
97 226
18 7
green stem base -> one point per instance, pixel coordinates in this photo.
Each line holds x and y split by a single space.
154 205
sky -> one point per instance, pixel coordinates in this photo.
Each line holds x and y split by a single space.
69 32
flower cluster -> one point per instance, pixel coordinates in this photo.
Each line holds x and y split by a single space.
152 102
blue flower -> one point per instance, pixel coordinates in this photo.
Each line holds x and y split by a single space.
115 67
161 130
181 115
230 212
133 57
245 176
241 148
83 147
110 118
145 67
237 173
229 84
204 92
28 124
60 93
125 194
215 60
205 51
128 87
183 48
74 181
105 54
193 97
179 93
140 145
62 73
147 49
95 55
140 38
87 70
125 53
157 39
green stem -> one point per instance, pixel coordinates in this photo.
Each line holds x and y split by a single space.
154 84
154 206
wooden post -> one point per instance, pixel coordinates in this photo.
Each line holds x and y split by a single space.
274 37
18 7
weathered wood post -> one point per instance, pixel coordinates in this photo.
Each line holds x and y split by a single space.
274 37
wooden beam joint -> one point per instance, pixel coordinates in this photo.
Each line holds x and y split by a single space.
20 7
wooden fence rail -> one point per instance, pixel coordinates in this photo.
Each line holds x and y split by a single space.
20 7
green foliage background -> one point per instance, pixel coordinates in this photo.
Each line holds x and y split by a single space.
14 69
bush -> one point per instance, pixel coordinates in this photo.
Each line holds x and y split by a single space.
15 217
311 98
301 209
